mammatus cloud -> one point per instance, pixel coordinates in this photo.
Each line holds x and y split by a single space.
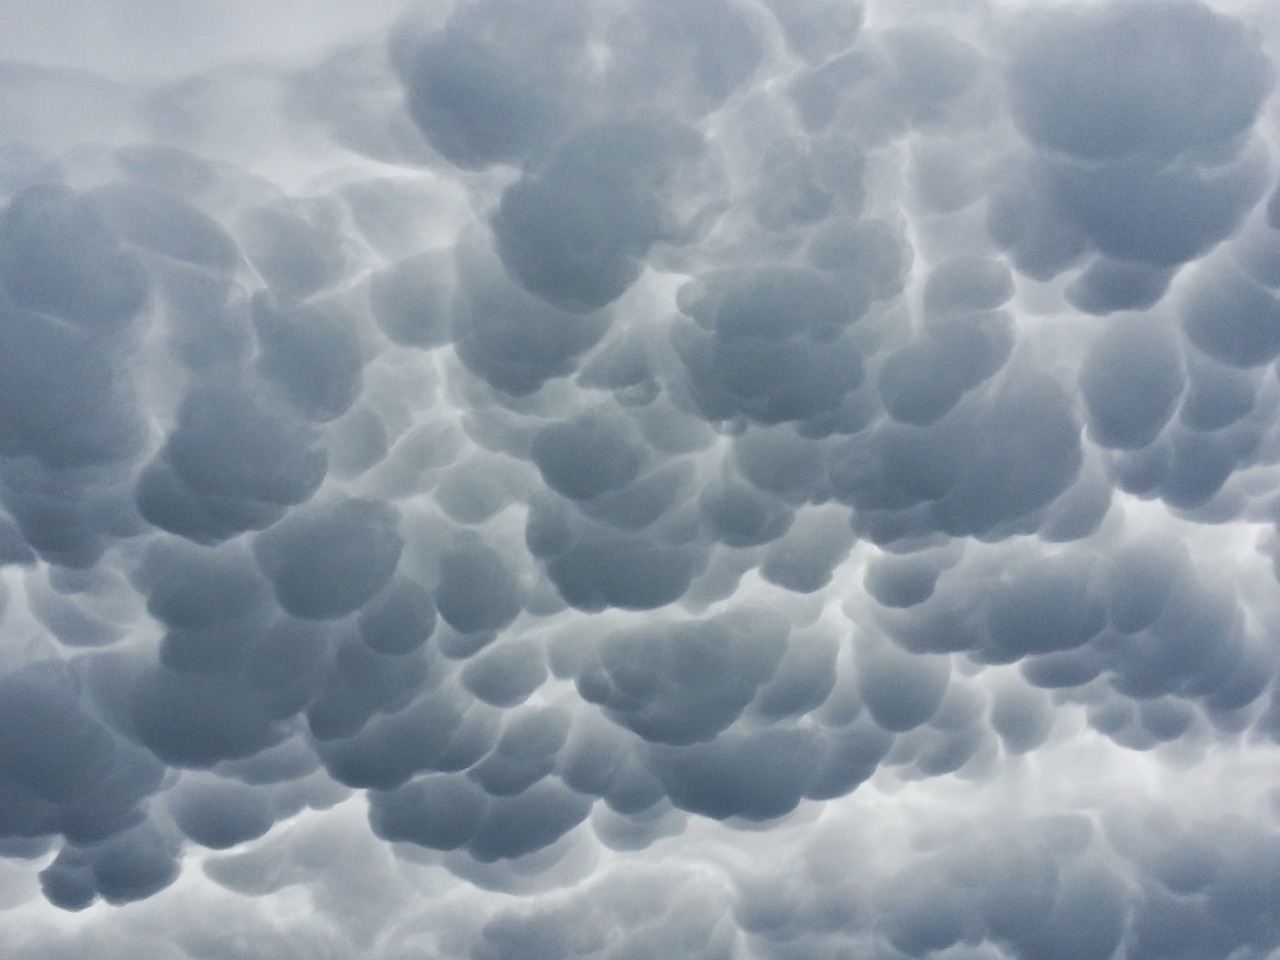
736 479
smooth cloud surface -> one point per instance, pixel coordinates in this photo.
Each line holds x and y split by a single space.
565 479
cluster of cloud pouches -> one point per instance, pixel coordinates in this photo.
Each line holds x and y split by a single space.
646 478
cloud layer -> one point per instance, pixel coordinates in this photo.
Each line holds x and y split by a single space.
565 479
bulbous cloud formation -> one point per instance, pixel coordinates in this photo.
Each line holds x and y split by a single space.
643 478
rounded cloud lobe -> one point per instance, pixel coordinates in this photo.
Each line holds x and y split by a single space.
753 478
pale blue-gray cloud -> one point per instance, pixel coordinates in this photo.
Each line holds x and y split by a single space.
736 479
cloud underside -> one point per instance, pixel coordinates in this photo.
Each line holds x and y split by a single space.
637 479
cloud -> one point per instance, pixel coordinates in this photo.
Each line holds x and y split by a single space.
753 478
1190 79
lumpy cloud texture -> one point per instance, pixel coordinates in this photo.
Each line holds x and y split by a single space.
755 479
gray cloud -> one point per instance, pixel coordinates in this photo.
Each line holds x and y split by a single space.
611 480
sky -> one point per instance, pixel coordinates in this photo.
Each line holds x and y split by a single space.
627 479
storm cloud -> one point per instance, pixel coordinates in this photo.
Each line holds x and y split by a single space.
642 478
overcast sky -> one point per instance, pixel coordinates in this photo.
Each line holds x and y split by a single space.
627 479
